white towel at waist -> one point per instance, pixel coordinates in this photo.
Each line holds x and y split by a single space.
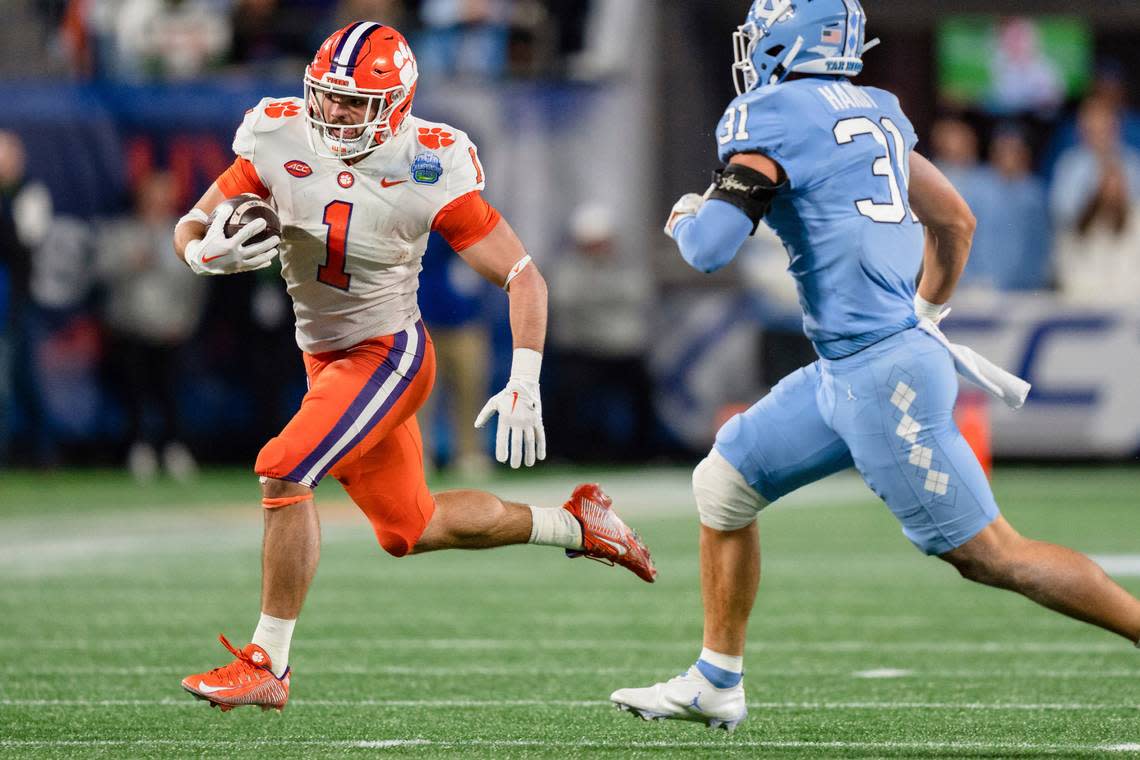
979 370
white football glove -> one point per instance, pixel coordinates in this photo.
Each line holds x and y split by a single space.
519 407
935 312
687 205
217 254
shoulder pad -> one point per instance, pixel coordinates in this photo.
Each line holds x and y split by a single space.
269 115
753 123
437 136
778 121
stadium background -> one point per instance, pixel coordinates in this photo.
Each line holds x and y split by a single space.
591 118
120 558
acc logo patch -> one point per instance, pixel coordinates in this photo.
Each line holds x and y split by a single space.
345 179
298 168
426 168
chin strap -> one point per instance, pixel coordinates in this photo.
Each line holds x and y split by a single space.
785 65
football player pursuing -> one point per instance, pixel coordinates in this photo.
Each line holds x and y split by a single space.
831 167
359 182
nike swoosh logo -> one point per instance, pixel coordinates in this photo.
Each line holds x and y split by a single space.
385 183
514 399
208 259
616 546
205 689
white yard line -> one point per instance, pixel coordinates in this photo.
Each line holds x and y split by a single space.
642 671
882 649
722 744
884 673
593 703
1119 565
54 544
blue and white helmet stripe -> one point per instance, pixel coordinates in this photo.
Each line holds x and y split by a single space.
350 45
854 33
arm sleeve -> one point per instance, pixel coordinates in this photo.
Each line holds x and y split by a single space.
711 238
241 177
466 220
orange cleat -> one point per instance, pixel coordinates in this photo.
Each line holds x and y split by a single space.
604 536
248 680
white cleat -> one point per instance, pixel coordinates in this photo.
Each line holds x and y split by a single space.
689 696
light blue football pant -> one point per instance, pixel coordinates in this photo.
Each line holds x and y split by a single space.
887 411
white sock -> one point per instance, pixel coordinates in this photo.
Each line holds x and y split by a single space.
731 663
273 635
554 526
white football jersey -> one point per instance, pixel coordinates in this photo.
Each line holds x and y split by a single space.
353 236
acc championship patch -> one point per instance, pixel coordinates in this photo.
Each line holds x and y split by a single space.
427 168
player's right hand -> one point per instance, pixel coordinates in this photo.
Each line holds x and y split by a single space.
520 430
687 205
217 254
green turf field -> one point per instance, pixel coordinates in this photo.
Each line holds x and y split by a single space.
860 647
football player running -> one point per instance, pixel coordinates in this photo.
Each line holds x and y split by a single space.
359 182
831 167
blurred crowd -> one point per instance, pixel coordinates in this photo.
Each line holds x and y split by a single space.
1058 207
133 40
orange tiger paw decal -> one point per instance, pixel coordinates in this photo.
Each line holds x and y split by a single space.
435 138
282 108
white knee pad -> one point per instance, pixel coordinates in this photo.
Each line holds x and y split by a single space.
724 500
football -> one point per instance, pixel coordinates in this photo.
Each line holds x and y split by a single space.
243 209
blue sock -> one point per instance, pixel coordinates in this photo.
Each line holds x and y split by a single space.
718 677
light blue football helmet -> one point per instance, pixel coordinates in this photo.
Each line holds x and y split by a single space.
779 37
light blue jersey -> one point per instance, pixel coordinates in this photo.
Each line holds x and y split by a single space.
854 243
881 397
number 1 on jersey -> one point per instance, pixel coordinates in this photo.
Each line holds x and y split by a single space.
337 216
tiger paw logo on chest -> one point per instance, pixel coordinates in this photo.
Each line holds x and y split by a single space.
435 138
427 168
282 108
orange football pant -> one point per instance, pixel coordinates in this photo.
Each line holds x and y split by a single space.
357 423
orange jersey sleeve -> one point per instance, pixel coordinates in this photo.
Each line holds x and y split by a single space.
240 178
466 220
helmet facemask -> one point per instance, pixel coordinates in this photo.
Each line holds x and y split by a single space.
744 75
370 133
749 35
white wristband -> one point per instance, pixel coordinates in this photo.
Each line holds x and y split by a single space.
926 310
194 215
526 365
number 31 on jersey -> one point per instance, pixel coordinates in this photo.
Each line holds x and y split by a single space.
898 175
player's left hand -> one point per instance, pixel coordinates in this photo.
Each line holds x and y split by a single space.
519 407
687 205
935 312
